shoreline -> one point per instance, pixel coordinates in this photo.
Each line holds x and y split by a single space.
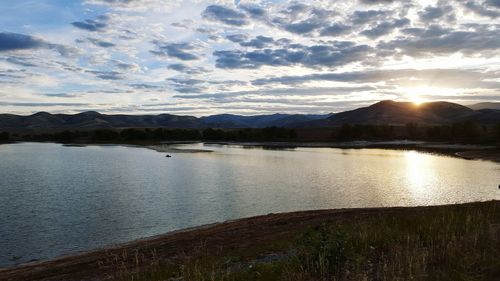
463 151
240 234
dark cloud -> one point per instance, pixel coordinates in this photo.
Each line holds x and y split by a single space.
107 75
15 41
374 2
489 8
303 19
144 86
187 69
43 104
336 53
253 10
188 85
363 17
126 66
302 27
225 15
433 13
98 24
237 38
101 43
335 29
61 95
258 42
22 61
385 28
182 51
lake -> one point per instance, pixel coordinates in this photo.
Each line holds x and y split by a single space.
57 200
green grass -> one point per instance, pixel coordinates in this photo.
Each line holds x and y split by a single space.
445 243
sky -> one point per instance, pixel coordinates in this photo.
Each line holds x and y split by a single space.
202 57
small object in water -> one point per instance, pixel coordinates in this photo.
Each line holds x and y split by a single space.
168 155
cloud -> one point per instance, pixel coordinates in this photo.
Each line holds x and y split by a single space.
237 38
253 10
431 13
188 85
61 95
385 28
187 69
182 51
130 67
303 19
374 2
101 43
107 75
43 104
429 77
98 24
336 29
488 8
225 15
144 86
258 42
334 54
15 42
424 42
363 17
22 61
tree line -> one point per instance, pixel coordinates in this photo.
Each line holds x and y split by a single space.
469 132
163 134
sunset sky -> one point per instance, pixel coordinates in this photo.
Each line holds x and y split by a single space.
244 57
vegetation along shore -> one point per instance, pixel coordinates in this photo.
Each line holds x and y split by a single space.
451 242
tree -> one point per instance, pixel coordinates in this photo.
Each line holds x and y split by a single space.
412 130
4 136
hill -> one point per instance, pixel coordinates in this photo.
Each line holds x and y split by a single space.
485 105
400 113
259 121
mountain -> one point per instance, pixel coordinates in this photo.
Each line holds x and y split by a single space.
400 113
92 119
259 121
485 105
384 112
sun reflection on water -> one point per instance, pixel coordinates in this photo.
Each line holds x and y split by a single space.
420 175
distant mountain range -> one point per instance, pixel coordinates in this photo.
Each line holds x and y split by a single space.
384 112
92 119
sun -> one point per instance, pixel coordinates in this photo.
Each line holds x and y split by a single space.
416 94
417 100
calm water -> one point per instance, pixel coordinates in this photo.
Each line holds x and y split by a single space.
57 200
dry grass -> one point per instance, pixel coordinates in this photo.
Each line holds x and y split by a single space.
445 243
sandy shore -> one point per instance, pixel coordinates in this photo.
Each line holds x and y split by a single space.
242 235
